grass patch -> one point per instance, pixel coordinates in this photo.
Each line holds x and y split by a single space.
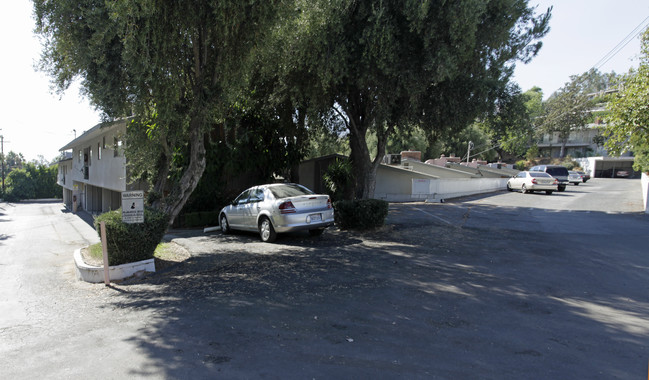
165 254
95 251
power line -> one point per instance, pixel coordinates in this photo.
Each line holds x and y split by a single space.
625 41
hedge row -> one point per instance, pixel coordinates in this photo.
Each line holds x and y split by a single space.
360 214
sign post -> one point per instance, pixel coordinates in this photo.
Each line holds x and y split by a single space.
104 249
133 206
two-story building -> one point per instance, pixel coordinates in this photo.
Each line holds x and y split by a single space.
94 175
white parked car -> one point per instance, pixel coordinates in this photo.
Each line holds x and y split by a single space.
276 208
528 182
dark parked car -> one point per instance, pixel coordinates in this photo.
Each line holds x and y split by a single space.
276 208
557 171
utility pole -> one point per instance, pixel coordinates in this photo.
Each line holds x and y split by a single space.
468 152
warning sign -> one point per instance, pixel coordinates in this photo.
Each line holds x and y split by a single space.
133 206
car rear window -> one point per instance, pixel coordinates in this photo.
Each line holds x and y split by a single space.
539 174
557 171
286 191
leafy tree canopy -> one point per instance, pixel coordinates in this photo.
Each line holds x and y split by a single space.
389 65
510 127
627 124
567 110
32 182
167 63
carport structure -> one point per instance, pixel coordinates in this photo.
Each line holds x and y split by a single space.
609 167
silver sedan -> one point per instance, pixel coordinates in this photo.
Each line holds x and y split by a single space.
277 208
574 177
533 181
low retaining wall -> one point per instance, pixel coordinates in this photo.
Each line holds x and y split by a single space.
436 190
95 274
645 191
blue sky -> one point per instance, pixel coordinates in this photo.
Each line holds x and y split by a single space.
582 32
37 122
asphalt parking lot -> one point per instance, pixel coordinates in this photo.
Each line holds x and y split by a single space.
444 291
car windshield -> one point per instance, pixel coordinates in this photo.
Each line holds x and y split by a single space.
539 174
286 191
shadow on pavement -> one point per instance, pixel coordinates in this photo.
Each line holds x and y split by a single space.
417 300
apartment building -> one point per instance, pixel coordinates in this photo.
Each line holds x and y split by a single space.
93 175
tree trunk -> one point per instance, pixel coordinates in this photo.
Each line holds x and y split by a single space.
562 153
363 168
360 159
189 180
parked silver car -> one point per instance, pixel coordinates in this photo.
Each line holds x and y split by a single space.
529 181
574 177
277 208
559 172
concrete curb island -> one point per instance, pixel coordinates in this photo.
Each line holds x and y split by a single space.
95 274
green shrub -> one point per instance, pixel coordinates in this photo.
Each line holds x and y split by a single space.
520 165
339 180
569 163
360 214
131 242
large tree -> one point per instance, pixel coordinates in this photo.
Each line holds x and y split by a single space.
627 124
510 126
567 110
167 63
384 66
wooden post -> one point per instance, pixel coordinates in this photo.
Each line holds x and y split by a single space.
104 249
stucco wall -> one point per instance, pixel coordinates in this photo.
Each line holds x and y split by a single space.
399 185
645 191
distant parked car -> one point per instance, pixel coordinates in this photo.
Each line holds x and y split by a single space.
574 177
557 171
277 208
529 181
622 173
584 176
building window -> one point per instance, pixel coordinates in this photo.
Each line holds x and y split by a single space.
80 156
115 154
98 151
103 142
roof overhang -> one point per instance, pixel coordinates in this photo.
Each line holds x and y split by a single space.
95 131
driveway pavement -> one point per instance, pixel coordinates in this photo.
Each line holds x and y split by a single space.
444 291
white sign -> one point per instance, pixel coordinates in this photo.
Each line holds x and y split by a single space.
133 206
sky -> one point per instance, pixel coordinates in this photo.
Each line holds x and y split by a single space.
36 122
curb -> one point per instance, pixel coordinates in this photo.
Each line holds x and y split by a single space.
93 274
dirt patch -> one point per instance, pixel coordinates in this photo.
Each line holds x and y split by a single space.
170 254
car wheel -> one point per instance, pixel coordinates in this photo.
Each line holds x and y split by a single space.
266 230
548 192
223 222
316 232
523 189
509 188
576 183
562 188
